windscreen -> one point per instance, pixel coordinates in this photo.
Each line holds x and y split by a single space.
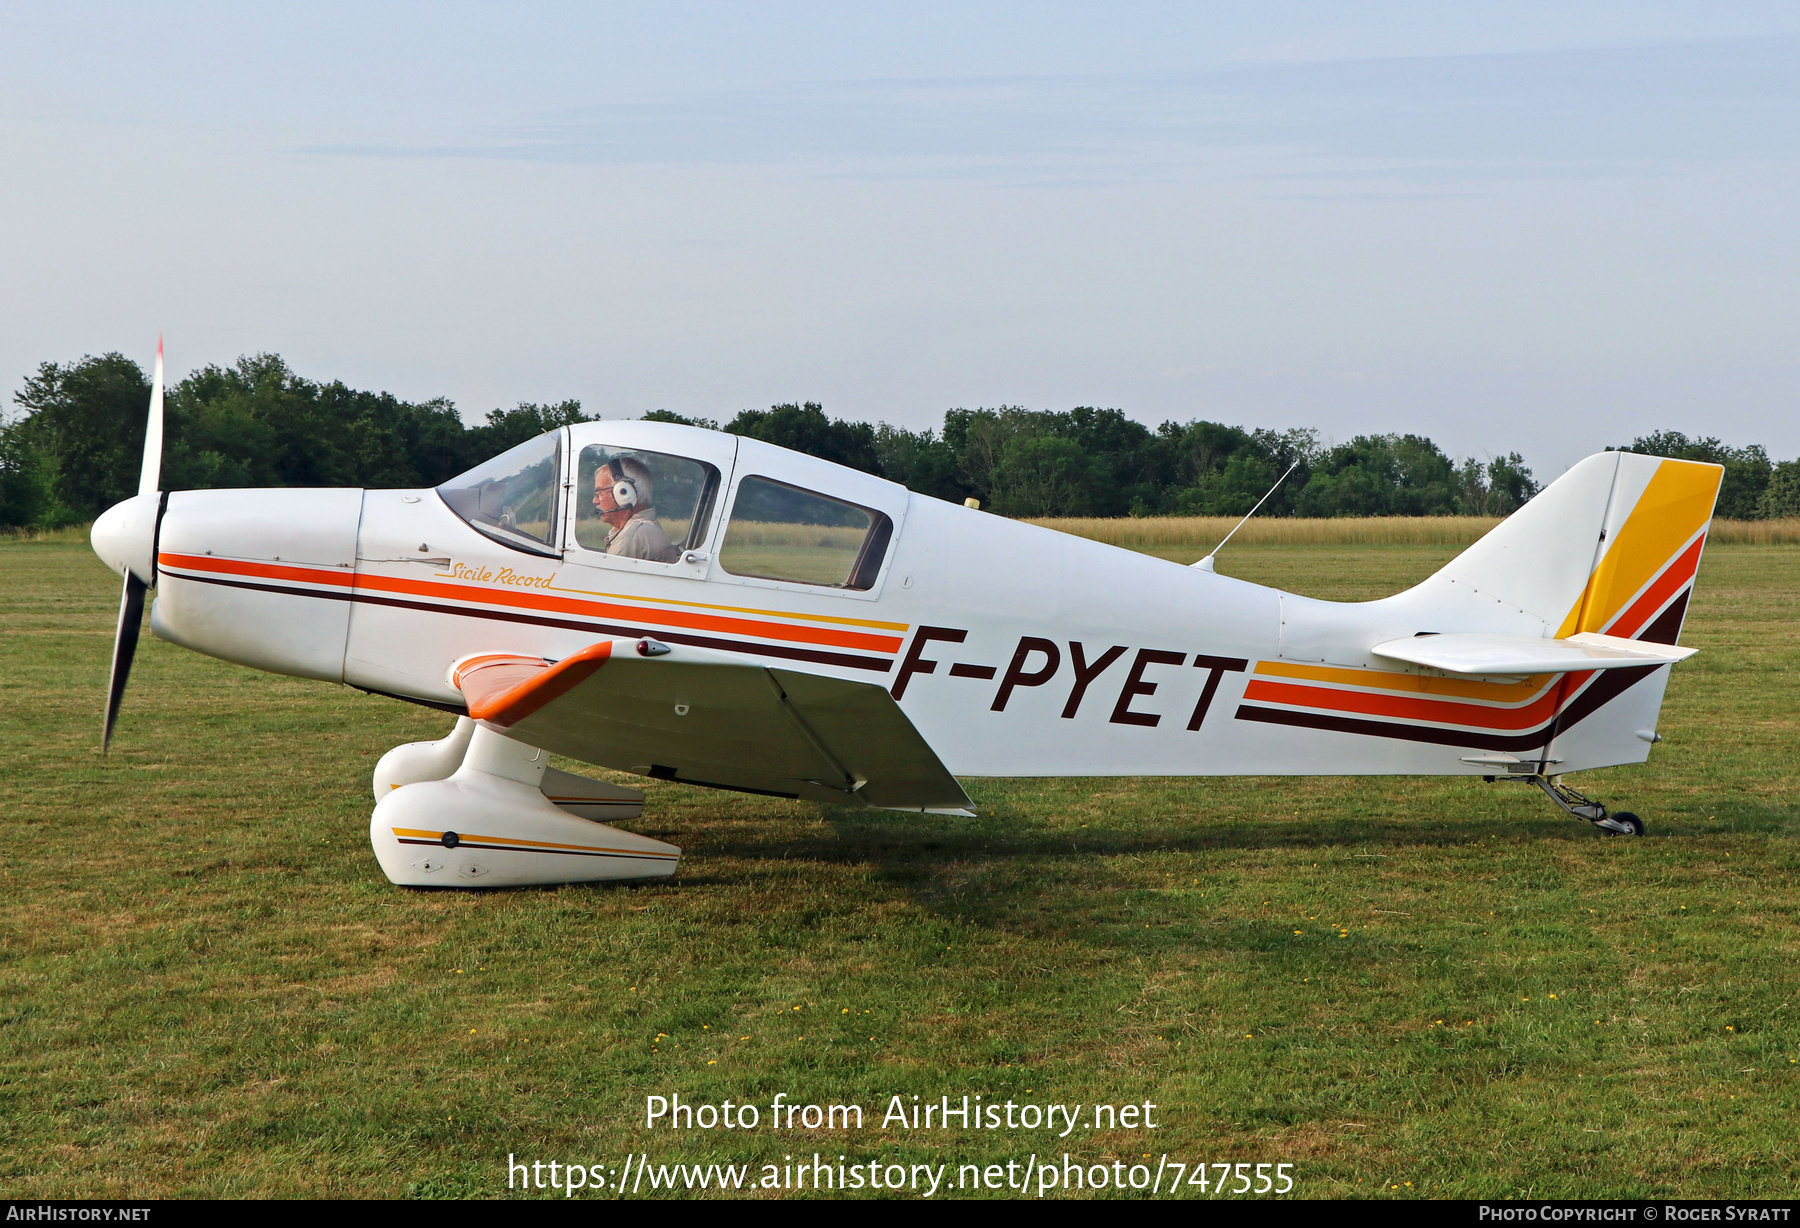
513 497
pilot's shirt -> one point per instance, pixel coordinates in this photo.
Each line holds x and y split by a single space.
642 538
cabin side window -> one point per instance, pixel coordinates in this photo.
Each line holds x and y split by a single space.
781 532
642 505
513 497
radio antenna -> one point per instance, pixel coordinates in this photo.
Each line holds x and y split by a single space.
1206 564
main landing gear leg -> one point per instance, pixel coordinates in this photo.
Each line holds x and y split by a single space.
1578 805
500 817
581 796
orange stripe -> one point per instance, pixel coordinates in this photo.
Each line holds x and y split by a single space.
1434 710
1460 688
531 601
1680 572
743 609
343 577
605 609
1566 689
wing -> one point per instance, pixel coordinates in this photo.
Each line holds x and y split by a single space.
1460 653
708 719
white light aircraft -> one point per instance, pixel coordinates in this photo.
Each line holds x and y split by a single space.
688 605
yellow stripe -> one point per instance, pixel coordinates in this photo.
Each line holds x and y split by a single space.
1675 506
404 832
737 609
1460 688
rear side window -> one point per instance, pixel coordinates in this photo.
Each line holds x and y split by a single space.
781 532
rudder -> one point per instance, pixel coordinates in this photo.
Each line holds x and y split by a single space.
1612 546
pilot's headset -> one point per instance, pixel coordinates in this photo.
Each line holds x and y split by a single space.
624 486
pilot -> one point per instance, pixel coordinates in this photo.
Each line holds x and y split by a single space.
622 495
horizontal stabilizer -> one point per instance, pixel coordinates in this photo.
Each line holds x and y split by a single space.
1519 654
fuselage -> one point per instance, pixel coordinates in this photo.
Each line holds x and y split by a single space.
1015 650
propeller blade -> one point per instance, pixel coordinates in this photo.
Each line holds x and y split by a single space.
151 472
125 649
131 599
131 617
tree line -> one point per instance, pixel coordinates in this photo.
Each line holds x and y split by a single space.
1097 462
73 447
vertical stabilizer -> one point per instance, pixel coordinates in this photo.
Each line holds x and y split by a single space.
1611 546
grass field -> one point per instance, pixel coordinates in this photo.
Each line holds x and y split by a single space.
1402 987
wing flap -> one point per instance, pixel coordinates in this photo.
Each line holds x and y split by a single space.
705 718
1501 655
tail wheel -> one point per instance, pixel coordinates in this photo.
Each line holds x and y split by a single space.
1627 819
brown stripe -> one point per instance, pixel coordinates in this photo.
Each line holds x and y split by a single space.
1666 627
324 574
844 659
1607 685
1391 729
1610 683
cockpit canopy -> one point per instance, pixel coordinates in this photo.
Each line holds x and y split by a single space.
636 505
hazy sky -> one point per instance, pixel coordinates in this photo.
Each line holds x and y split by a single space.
1532 227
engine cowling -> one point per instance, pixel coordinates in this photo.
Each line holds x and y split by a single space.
261 577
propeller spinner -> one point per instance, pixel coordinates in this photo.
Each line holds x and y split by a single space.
125 539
